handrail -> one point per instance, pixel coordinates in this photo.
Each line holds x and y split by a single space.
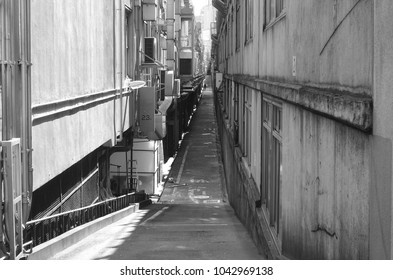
78 209
72 193
47 228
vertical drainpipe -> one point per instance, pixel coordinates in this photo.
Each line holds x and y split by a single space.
2 79
23 90
29 107
121 11
114 69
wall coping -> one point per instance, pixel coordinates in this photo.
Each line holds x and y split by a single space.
355 110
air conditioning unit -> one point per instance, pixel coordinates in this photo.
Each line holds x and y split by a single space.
185 67
149 10
176 90
162 85
169 82
147 106
150 50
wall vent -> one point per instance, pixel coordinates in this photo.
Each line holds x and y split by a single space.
150 50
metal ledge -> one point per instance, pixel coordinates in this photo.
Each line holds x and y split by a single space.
57 109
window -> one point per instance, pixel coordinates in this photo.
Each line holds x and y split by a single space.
271 160
130 44
230 33
237 25
246 123
273 9
249 11
236 114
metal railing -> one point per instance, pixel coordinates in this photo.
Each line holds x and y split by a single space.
45 229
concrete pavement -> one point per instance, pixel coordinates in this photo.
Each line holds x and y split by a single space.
192 219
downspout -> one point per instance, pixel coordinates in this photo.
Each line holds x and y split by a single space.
2 80
114 68
23 131
138 41
121 11
29 107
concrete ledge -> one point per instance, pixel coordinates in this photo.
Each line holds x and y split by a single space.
352 109
48 249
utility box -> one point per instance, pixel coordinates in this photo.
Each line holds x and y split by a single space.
176 89
160 126
149 10
13 196
169 82
147 109
152 124
218 79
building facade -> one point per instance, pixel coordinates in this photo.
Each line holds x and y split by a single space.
304 111
91 95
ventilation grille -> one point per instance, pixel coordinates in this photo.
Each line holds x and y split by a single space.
185 66
150 50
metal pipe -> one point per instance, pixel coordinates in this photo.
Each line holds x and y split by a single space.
24 129
3 101
29 107
121 49
114 68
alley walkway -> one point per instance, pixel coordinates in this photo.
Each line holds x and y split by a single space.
192 219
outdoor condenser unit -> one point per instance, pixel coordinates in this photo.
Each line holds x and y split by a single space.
149 10
150 50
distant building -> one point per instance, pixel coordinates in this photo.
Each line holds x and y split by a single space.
208 14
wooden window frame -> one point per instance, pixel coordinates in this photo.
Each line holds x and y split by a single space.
271 159
274 10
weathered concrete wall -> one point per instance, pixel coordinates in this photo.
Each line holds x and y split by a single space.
381 187
73 55
337 180
325 189
242 191
72 48
331 40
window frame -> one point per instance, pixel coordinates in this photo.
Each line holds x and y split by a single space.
271 160
130 43
249 20
238 24
275 12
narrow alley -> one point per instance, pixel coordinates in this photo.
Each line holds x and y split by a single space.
192 219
